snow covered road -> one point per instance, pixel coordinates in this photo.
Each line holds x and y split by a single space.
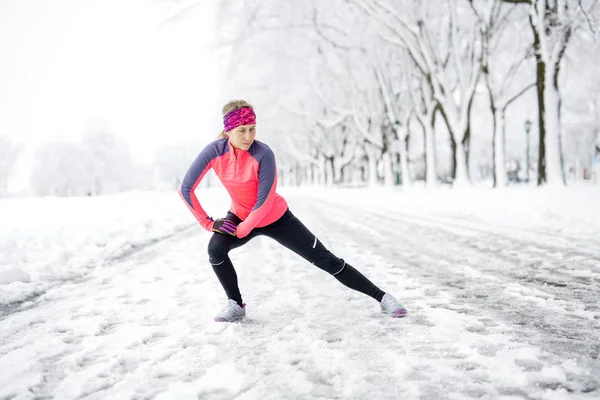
494 312
538 290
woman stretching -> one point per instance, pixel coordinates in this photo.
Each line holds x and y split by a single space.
247 170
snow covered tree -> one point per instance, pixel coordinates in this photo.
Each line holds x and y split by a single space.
111 164
580 114
425 110
333 143
62 169
369 89
553 23
171 163
504 65
444 43
397 108
99 164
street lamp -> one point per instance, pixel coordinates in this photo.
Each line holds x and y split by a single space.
527 129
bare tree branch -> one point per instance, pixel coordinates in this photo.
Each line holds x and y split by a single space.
517 95
587 13
325 37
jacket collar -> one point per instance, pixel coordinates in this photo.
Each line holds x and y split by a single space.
232 151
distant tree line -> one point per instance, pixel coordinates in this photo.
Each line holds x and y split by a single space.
97 164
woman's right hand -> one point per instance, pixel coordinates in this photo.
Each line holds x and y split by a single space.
224 226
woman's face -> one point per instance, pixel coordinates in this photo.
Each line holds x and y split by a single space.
242 136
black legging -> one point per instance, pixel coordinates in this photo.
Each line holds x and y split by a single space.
291 233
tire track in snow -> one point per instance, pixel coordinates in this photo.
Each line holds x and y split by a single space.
480 267
36 297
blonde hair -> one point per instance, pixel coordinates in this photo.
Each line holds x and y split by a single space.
232 106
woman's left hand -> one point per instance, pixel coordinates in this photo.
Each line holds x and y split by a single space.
225 227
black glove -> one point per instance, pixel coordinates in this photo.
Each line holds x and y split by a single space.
224 226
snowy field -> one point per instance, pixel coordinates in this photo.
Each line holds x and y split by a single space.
113 297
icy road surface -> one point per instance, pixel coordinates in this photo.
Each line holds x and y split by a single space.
493 313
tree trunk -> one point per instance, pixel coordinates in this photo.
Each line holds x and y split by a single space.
339 172
280 177
406 178
540 81
430 156
372 179
554 170
461 176
328 171
499 117
298 174
388 169
467 148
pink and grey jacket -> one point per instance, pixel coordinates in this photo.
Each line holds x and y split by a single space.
250 178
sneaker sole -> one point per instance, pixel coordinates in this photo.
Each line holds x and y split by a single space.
224 320
397 314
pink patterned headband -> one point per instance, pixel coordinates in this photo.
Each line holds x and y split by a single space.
241 116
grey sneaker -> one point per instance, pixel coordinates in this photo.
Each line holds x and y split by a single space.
389 305
232 312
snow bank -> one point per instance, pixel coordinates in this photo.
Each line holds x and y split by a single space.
44 240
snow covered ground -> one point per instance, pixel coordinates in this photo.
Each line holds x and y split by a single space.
113 297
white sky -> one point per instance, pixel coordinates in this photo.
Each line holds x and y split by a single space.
66 62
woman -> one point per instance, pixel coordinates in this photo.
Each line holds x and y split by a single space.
246 168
